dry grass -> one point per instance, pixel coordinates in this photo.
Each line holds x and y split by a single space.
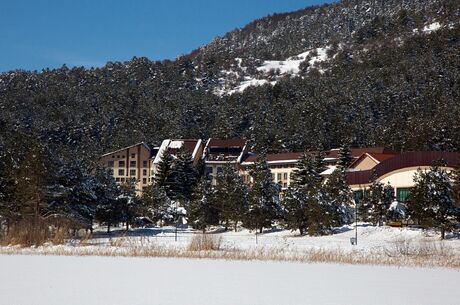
445 258
205 242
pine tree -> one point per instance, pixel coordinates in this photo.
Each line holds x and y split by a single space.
264 206
164 176
431 200
203 210
305 173
456 184
344 156
129 203
320 165
156 204
185 177
339 197
108 208
231 196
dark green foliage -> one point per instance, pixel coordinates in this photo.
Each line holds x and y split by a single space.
156 204
203 210
185 176
431 201
305 173
344 156
108 209
165 176
129 203
375 203
339 196
231 196
264 206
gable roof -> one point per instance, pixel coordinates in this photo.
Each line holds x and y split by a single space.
173 145
127 147
376 157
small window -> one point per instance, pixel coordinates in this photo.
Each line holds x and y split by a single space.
402 194
152 173
285 176
144 172
132 164
132 172
113 156
123 156
219 170
209 170
110 163
273 177
121 172
284 184
144 163
133 155
121 163
117 179
122 179
118 156
144 180
279 176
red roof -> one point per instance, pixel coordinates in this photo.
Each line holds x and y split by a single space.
226 143
404 160
377 156
357 152
277 157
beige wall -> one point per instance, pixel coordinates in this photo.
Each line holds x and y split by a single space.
280 173
133 162
365 164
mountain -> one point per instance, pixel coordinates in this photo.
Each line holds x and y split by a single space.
372 72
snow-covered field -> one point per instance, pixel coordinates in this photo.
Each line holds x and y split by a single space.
376 245
50 280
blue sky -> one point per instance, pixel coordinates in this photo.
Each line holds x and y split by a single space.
38 34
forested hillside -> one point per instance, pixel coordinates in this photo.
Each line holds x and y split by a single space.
375 72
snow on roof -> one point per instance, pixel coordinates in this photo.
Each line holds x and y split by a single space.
328 171
127 147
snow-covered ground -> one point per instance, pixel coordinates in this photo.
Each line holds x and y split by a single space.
382 245
50 280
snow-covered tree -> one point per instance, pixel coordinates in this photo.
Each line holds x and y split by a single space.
156 204
231 196
344 155
108 210
164 176
203 210
431 200
184 177
264 207
339 197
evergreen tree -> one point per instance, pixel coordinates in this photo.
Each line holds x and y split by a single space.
456 184
344 156
305 173
185 177
339 196
431 200
108 209
320 165
231 196
129 202
203 210
156 204
376 202
164 176
264 206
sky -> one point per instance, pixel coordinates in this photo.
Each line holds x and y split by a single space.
37 34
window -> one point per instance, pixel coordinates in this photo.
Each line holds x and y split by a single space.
113 156
132 163
110 163
133 155
152 173
132 172
285 176
144 172
122 179
273 177
284 184
357 196
279 176
118 156
402 194
144 180
121 163
117 179
219 170
121 172
144 163
209 170
123 156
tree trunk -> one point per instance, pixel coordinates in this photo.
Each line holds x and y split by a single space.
443 232
127 226
108 227
301 231
261 229
236 226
